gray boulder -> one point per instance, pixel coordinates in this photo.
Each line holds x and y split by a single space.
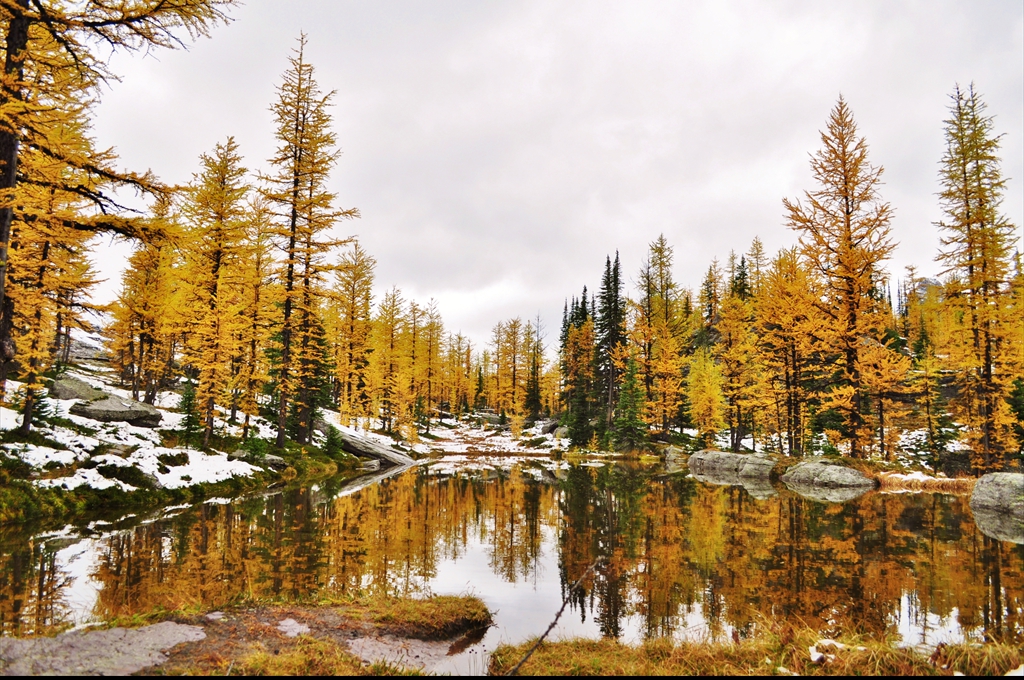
999 525
824 481
730 468
73 388
116 651
1000 491
752 472
675 459
276 462
549 427
561 432
116 409
998 506
270 460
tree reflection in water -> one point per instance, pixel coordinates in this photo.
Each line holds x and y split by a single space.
680 556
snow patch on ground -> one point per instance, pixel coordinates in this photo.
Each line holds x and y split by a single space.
84 477
131 446
9 419
41 456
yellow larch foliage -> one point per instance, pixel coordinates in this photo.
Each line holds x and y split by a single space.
737 355
789 326
976 251
304 214
666 378
45 256
258 296
704 391
215 211
845 235
349 330
388 382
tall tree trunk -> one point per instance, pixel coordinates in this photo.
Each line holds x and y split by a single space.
16 42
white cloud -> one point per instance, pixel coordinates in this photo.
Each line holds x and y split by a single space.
493 142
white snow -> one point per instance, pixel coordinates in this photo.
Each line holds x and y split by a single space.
41 456
9 419
88 477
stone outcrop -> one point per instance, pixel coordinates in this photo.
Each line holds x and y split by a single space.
549 426
675 459
824 481
73 388
1000 491
999 525
117 651
730 466
363 446
998 506
750 471
269 460
115 409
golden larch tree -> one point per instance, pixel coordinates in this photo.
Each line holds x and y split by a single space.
845 235
976 251
304 211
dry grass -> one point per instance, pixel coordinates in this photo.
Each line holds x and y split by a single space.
433 618
771 654
307 656
958 486
247 641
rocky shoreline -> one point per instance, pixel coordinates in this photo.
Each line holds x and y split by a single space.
997 499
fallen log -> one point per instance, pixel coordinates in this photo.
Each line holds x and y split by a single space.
362 446
360 483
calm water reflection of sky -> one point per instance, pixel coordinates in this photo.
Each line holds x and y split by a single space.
526 595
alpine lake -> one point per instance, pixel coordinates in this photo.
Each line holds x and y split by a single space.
681 558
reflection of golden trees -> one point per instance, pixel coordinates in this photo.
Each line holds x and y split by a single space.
673 547
31 589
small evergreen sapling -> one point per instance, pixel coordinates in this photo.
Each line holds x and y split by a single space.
630 430
332 443
190 424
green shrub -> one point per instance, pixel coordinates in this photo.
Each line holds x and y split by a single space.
332 444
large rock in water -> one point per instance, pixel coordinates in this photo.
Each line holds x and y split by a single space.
752 472
998 506
730 468
73 388
118 410
822 480
363 446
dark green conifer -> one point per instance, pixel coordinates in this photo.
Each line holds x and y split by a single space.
610 329
630 430
190 424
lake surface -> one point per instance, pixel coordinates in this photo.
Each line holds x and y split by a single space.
682 558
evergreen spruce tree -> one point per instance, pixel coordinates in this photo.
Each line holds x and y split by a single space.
630 430
191 423
610 327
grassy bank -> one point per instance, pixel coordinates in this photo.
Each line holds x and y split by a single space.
245 640
783 653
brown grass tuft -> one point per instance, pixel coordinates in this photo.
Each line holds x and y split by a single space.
433 618
765 655
308 656
958 486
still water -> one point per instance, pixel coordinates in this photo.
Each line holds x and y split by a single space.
682 558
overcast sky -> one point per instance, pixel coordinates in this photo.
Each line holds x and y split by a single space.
498 151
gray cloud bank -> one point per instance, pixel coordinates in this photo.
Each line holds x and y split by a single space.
499 151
